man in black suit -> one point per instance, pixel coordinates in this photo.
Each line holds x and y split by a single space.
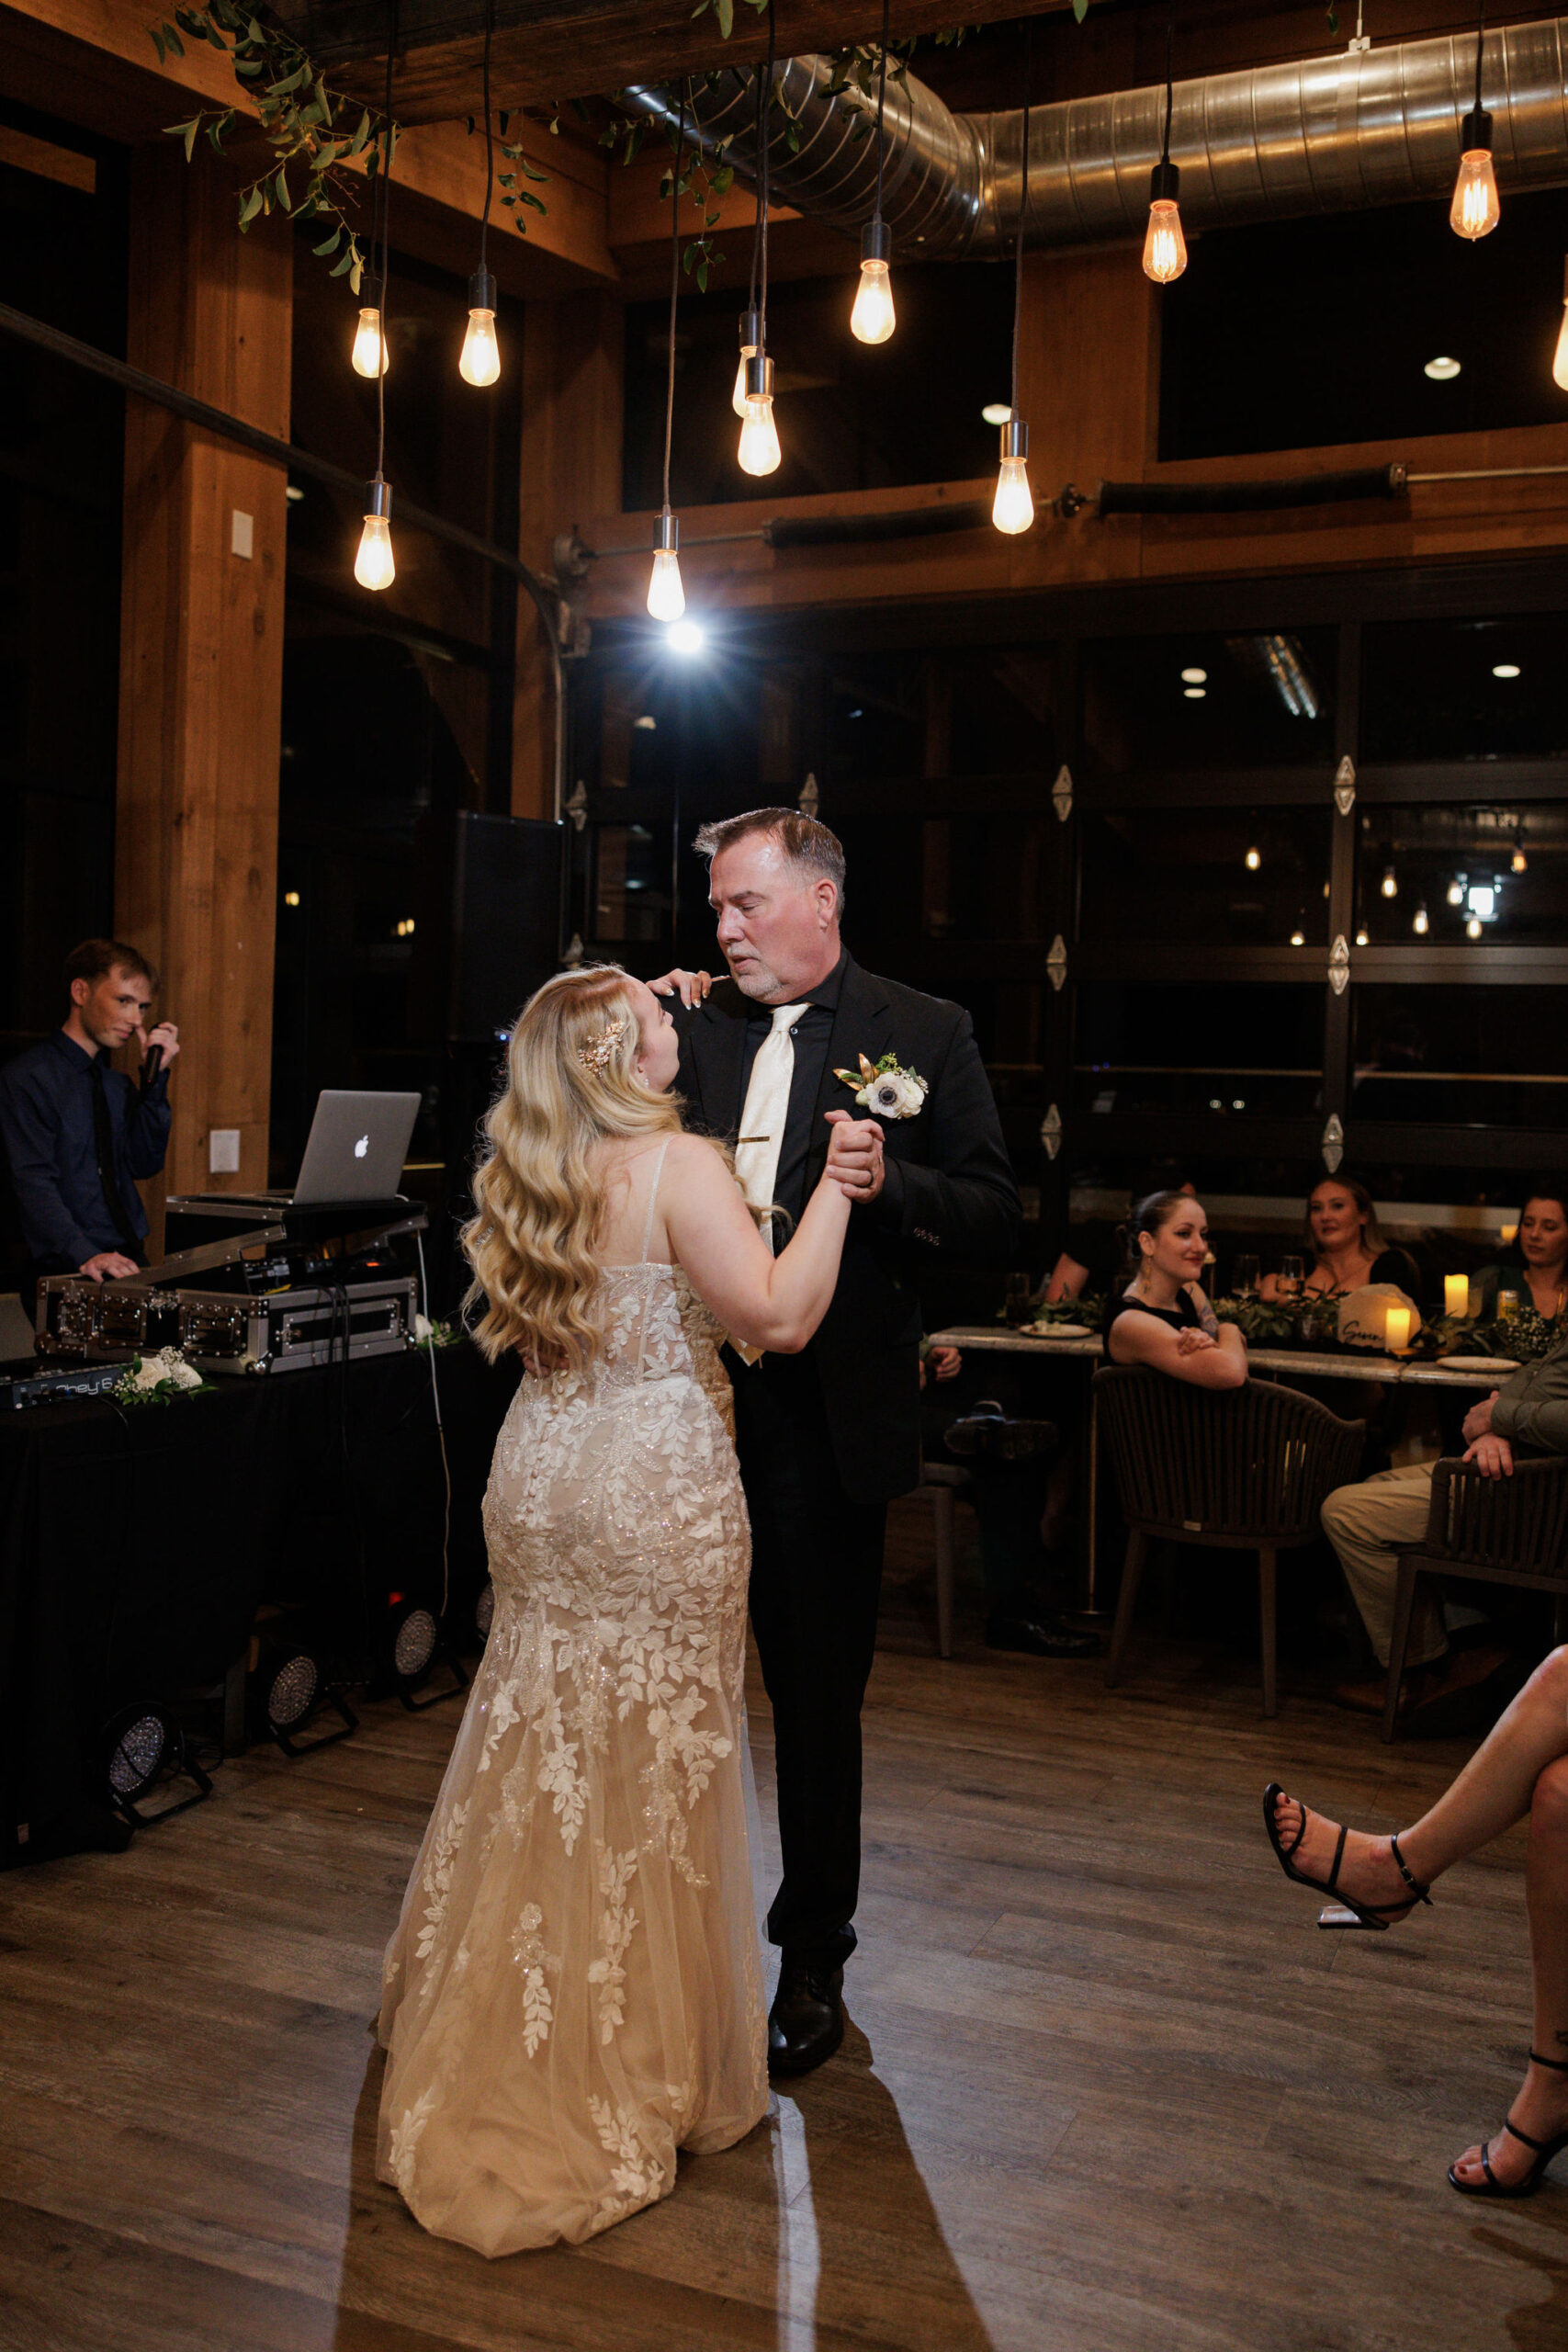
826 1438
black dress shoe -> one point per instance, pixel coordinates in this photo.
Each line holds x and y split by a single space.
1052 1639
806 2023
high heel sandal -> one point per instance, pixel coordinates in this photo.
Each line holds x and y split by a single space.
1544 2152
1344 1911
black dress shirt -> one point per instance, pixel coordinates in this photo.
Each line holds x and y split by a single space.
68 1177
812 1034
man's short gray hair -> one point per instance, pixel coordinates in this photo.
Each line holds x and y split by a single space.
803 840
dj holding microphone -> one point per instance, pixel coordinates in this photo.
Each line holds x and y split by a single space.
77 1135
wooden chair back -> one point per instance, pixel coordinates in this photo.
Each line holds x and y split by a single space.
1244 1466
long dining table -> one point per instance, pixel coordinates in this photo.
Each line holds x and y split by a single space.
1476 1373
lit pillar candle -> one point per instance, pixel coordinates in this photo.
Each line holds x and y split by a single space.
1396 1330
1456 1294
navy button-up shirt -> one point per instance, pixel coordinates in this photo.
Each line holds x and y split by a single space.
51 1149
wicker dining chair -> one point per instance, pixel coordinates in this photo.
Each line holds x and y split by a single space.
1247 1468
1495 1531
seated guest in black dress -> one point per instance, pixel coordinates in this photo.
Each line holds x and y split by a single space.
1536 1269
1092 1254
1158 1314
1346 1247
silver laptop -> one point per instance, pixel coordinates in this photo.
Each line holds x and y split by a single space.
357 1148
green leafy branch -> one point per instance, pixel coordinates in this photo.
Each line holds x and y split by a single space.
306 125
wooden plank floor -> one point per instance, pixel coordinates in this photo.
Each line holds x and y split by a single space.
1106 2086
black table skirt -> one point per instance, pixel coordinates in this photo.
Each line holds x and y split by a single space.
135 1546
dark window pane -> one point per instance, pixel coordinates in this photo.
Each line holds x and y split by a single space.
631 892
1189 873
1198 1047
1492 1056
1261 699
1297 333
1431 690
985 877
877 720
998 715
1446 874
849 417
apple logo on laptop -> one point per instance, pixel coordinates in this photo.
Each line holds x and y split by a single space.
362 1146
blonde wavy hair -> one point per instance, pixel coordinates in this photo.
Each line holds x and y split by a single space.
539 1195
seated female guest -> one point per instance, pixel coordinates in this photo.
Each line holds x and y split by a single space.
1538 1272
1347 1248
1158 1314
1520 1767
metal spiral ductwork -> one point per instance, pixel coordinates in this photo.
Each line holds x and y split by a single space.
1334 133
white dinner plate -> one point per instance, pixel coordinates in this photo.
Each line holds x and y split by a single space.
1478 1364
1060 1331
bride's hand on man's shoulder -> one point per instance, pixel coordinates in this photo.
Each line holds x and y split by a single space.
692 988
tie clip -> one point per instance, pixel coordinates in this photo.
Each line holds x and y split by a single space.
741 1139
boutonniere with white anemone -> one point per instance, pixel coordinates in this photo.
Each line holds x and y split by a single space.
886 1089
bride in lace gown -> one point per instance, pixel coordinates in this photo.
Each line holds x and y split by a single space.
574 1992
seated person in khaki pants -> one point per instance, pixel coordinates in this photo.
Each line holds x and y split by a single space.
1365 1523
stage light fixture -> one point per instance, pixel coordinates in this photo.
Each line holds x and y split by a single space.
144 1746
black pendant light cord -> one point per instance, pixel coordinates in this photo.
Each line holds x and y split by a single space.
489 138
1479 42
1169 85
1023 219
766 180
881 103
757 224
385 192
674 282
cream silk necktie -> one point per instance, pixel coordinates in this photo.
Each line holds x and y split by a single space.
763 1124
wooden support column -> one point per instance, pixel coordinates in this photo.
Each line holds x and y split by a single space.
201 652
571 469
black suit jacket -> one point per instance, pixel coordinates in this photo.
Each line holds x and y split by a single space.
949 1188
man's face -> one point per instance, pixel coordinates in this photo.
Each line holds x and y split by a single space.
778 923
113 1007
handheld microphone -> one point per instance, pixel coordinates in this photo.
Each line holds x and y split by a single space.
152 1063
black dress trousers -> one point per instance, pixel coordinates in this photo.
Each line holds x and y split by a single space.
815 1579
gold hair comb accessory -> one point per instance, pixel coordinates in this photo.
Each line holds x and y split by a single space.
596 1053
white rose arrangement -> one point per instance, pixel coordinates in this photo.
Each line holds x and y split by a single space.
885 1089
157 1379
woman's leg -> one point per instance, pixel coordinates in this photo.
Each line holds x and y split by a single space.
1494 1791
1542 2106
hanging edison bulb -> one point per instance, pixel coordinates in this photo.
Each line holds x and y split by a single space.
1254 861
871 319
666 596
1165 247
369 353
372 565
1560 356
1390 883
1475 210
481 362
758 452
1012 509
1518 863
1421 923
750 336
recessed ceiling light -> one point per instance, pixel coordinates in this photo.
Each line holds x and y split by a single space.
1441 371
1194 694
293 494
1505 669
996 412
1194 677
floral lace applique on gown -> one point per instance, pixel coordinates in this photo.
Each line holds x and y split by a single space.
574 1988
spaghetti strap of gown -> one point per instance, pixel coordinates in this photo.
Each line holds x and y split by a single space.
574 1988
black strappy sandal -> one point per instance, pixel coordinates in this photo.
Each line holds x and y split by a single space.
1344 1911
1544 2152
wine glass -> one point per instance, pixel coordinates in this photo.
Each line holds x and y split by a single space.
1245 1277
1290 1281
1018 1308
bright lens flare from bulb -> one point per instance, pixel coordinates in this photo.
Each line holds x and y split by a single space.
665 597
369 355
871 319
373 566
1012 509
758 452
1475 210
738 397
1165 247
685 637
481 362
